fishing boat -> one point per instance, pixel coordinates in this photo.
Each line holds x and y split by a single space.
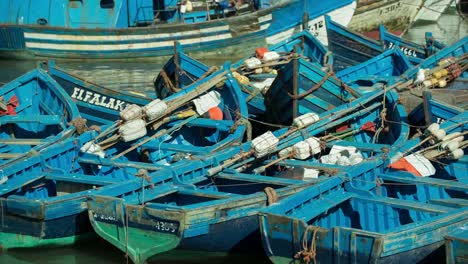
441 161
60 176
254 73
351 48
339 226
119 29
444 73
396 15
453 54
34 113
385 68
97 104
203 117
198 218
43 197
304 87
456 245
421 172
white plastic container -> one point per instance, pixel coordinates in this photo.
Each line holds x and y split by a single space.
92 148
155 109
301 150
305 120
252 62
132 130
270 56
310 174
131 112
206 102
264 144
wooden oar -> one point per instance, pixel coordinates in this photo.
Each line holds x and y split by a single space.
21 141
156 135
332 123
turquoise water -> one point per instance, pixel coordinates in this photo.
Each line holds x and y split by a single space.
138 77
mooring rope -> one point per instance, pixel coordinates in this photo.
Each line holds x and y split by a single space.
307 253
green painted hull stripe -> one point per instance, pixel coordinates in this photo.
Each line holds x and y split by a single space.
141 244
10 240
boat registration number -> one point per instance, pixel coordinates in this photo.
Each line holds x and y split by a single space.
405 50
168 227
389 9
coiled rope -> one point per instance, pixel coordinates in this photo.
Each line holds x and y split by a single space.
307 253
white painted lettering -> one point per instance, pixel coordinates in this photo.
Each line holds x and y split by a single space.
95 99
80 96
103 101
110 104
88 96
119 105
76 90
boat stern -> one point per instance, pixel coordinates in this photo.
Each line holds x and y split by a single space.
134 229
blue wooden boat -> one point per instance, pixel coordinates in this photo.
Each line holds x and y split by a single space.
351 48
456 245
119 29
446 165
182 70
384 69
304 87
43 198
97 104
443 183
339 226
78 164
457 50
196 214
34 112
103 106
179 128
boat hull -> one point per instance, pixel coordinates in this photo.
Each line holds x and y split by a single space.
456 246
18 232
227 36
396 15
283 240
138 233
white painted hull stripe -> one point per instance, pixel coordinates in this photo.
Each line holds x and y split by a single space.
68 37
130 46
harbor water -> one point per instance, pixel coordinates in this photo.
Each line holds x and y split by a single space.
138 77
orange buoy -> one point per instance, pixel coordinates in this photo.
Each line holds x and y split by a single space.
215 113
260 52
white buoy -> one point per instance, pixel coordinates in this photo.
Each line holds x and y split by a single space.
432 128
453 145
440 134
457 154
301 150
305 120
264 144
285 152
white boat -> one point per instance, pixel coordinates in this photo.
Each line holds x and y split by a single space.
396 15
